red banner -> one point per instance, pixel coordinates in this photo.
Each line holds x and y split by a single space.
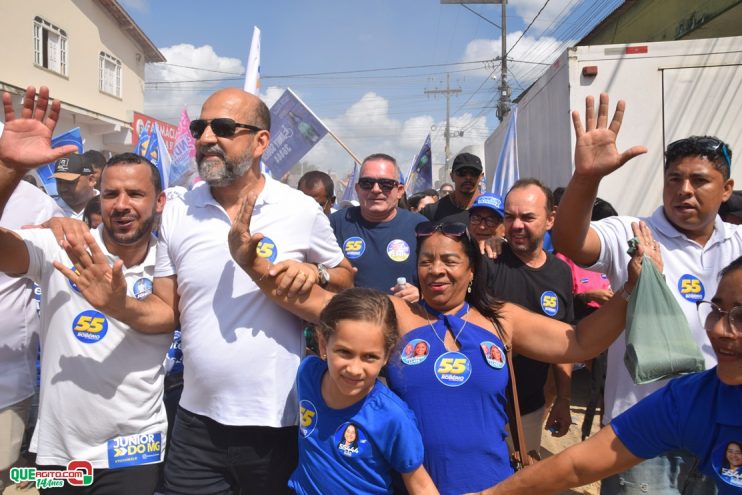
168 131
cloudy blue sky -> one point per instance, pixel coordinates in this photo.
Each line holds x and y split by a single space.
313 47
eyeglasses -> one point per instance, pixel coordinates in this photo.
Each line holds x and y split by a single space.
471 172
386 185
709 314
221 127
454 230
475 219
709 144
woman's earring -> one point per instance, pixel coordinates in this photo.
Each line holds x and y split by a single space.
468 289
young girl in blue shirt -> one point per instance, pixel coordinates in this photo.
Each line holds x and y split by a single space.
353 431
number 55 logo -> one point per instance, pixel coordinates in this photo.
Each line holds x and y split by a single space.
267 249
90 326
691 288
452 369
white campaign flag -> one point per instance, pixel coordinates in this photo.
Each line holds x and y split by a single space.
252 76
507 172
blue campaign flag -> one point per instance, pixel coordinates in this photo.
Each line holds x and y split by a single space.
142 141
507 172
421 173
45 172
294 131
350 190
157 153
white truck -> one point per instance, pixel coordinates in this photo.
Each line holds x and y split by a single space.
672 90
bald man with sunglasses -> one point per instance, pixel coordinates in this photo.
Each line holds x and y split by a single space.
235 429
377 236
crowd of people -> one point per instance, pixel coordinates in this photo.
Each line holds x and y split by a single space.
424 310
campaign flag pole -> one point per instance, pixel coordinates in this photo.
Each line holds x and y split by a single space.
184 152
507 172
421 173
252 75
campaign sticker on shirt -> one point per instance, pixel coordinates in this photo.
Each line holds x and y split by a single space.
493 354
142 288
72 284
550 303
726 460
351 441
415 352
353 247
307 417
398 250
90 326
691 288
267 249
452 369
584 280
134 450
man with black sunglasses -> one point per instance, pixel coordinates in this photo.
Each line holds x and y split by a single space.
235 428
466 172
377 236
695 243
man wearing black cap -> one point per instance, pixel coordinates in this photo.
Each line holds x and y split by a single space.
75 185
466 173
731 210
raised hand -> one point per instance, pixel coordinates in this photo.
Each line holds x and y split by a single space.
596 154
102 285
26 140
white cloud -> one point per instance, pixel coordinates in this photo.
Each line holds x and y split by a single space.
185 64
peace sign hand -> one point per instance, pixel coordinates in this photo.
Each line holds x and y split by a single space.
243 245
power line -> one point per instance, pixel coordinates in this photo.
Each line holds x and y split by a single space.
529 27
480 15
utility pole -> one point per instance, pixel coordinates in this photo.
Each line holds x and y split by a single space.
503 105
447 92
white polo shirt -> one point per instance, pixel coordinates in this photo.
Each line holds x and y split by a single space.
691 272
240 350
101 381
19 328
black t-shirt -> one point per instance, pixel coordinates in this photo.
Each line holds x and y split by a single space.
445 211
546 290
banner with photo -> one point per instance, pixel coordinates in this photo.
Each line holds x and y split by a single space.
294 131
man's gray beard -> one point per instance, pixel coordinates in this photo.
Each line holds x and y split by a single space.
220 175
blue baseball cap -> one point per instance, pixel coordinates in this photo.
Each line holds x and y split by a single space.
491 201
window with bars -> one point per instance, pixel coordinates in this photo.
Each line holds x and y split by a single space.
50 46
109 72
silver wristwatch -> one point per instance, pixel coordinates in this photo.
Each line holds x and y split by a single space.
324 275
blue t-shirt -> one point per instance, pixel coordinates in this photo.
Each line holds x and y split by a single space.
383 251
697 413
459 400
386 438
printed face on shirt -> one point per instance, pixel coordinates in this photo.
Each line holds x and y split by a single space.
355 355
526 219
222 160
128 202
444 271
692 193
376 203
734 455
727 346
